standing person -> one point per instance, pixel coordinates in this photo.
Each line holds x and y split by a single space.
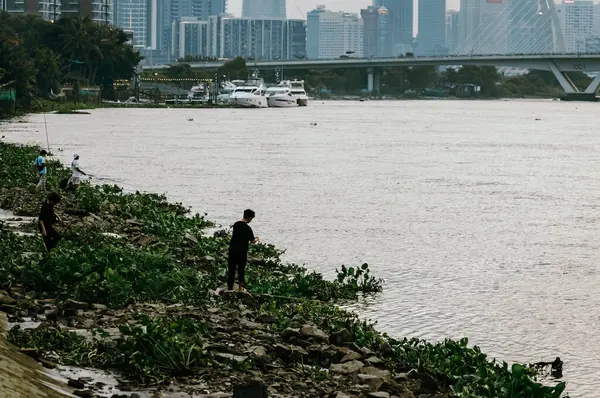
76 173
238 249
40 167
47 219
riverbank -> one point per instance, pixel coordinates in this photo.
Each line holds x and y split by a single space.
127 256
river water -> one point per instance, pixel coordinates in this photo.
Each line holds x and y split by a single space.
482 216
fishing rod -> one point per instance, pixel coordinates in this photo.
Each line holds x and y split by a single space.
47 139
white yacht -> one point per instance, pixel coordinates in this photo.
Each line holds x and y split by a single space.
280 97
297 89
198 93
225 92
249 95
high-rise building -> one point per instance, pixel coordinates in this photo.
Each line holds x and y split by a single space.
190 37
264 9
578 19
136 16
432 28
401 23
257 38
483 26
530 28
452 31
97 10
52 10
333 34
377 40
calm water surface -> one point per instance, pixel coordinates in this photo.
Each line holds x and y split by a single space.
482 219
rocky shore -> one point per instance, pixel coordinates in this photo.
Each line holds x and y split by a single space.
131 290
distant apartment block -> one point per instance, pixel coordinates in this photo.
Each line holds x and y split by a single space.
580 20
263 9
226 36
52 10
332 34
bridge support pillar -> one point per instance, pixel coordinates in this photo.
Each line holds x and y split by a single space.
373 81
572 92
594 84
564 81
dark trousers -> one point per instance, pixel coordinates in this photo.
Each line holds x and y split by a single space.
237 261
51 239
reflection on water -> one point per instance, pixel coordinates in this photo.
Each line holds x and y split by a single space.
482 220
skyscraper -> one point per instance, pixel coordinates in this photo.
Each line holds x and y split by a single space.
452 31
135 15
376 32
401 23
530 27
51 10
483 26
264 9
432 28
332 34
577 19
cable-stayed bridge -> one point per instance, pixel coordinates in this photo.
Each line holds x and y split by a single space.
555 63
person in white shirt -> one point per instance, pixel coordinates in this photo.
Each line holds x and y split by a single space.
75 179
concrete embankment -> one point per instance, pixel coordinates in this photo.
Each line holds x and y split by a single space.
23 377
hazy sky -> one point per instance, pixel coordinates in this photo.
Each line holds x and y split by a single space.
299 8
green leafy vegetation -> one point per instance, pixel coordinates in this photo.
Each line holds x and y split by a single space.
153 266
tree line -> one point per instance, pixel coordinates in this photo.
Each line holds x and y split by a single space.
37 57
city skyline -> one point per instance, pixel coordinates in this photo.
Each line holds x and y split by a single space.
299 8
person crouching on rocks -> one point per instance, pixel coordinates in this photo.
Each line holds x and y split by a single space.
47 219
238 249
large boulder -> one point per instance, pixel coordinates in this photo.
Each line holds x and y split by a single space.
313 332
346 368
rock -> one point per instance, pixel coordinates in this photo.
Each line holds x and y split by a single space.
290 333
253 389
314 332
349 355
347 367
146 240
367 351
88 324
369 370
385 349
401 377
84 393
339 337
191 238
429 384
76 384
231 357
99 307
47 364
76 305
407 394
380 394
373 361
251 325
340 394
374 382
5 299
266 318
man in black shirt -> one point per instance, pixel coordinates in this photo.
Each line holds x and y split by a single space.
47 219
238 249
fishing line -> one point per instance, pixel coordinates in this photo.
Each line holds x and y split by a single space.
46 126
